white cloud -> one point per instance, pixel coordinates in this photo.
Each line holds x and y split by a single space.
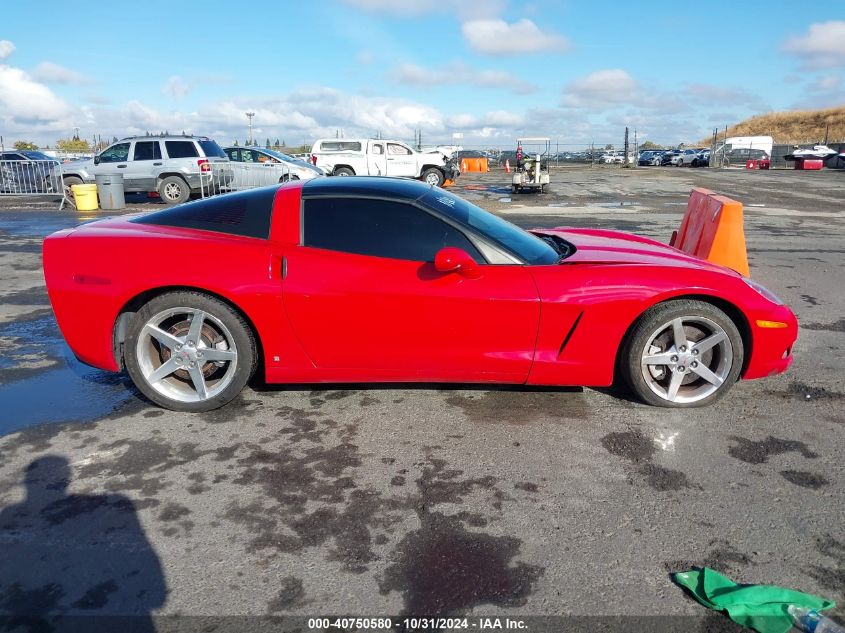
22 98
503 118
823 46
6 49
601 89
51 73
826 83
497 37
459 73
725 94
176 87
459 121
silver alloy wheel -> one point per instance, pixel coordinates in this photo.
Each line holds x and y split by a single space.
172 191
186 354
687 359
432 179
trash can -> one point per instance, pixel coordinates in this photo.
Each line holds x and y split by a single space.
85 197
110 191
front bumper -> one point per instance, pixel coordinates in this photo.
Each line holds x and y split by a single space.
771 347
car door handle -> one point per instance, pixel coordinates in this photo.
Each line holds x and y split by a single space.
121 166
278 267
157 164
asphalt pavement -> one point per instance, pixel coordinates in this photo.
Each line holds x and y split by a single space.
435 500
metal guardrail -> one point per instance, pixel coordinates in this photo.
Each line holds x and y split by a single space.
231 176
32 178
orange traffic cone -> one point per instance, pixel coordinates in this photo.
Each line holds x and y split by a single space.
507 166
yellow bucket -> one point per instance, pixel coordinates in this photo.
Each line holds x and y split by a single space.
85 197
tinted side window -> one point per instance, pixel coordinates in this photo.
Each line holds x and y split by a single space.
115 154
379 228
245 213
181 149
233 154
147 150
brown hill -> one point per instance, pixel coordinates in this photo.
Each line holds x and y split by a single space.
797 126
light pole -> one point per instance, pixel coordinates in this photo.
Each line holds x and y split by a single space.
249 115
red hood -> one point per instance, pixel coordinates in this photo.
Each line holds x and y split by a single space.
598 246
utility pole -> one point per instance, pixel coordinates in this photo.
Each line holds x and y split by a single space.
249 116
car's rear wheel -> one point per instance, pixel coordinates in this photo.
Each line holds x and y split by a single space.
174 190
682 353
343 171
187 351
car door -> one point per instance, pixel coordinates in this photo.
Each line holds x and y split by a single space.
272 169
365 300
145 164
376 160
400 161
112 160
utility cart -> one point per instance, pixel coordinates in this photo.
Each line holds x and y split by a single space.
532 164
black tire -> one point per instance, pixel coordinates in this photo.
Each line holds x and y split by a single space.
695 162
173 190
69 181
433 176
245 363
661 316
343 171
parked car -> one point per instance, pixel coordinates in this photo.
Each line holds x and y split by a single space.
671 157
174 166
26 171
650 157
380 157
702 159
254 166
686 157
386 279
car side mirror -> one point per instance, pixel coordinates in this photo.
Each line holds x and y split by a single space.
451 259
96 160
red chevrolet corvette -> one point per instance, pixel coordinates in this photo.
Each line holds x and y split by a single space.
382 280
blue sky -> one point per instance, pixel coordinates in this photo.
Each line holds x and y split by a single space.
575 71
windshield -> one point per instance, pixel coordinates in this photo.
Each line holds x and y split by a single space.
289 159
530 248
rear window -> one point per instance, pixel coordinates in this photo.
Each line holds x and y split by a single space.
181 149
245 213
211 148
340 146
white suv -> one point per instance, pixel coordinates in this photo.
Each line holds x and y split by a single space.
173 166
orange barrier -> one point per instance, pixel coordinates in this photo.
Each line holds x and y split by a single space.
474 164
712 229
448 183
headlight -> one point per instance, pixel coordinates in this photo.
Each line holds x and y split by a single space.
768 294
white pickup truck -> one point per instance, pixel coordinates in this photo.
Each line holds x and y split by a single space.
380 157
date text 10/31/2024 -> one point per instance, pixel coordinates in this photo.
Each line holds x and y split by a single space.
418 624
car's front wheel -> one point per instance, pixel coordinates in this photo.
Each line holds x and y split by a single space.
682 353
188 351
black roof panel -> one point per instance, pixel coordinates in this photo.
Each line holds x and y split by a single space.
379 186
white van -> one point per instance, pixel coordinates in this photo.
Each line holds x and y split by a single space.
382 157
763 143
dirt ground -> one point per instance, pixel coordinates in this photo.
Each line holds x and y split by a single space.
436 500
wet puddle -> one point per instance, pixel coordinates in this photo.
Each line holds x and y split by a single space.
42 382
